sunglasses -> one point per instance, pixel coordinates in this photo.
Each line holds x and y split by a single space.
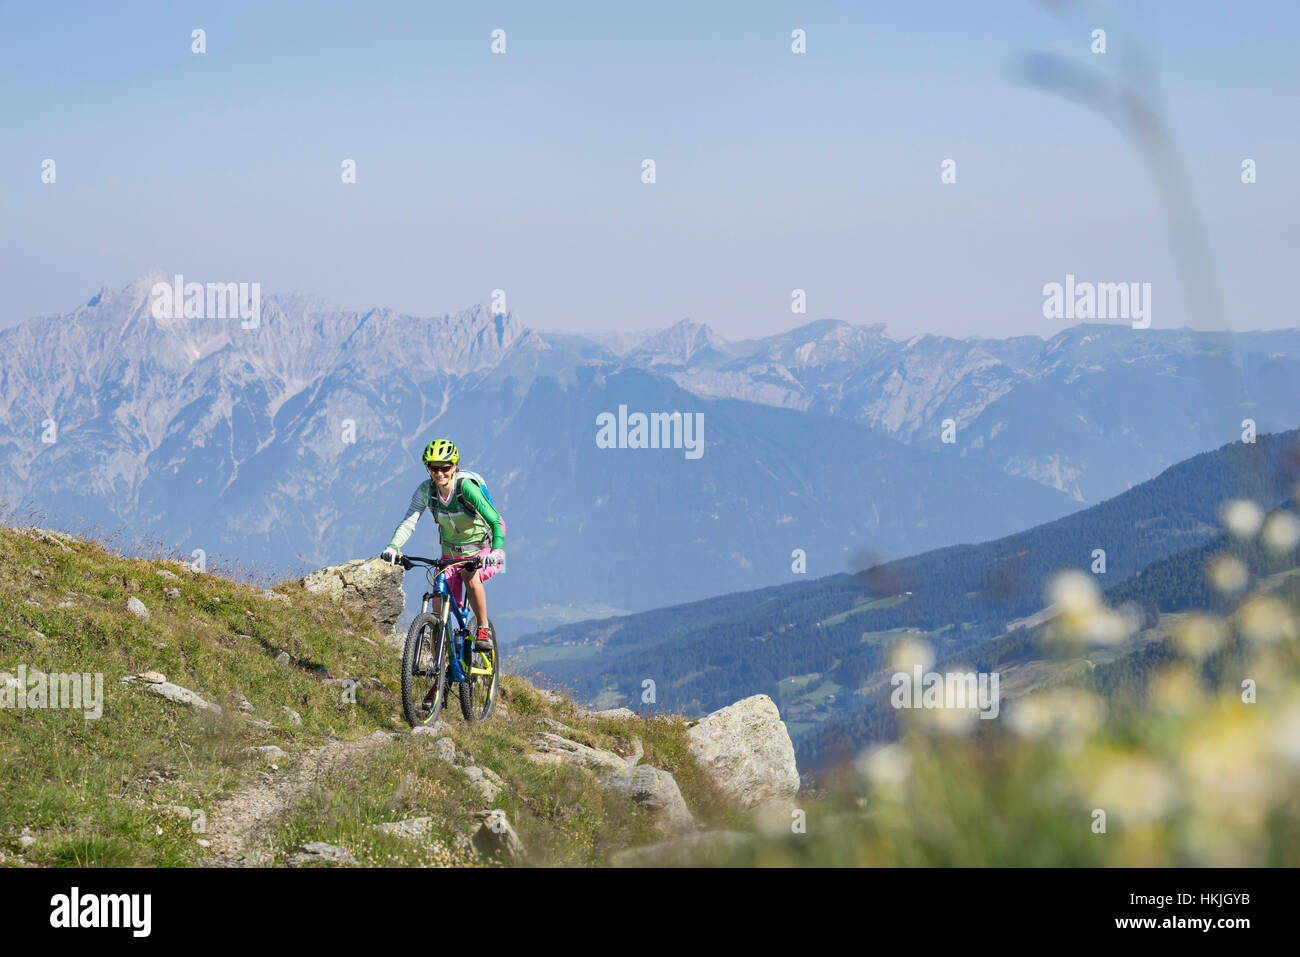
441 468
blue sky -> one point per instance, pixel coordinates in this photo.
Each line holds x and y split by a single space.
522 171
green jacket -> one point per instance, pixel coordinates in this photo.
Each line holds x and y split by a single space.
461 530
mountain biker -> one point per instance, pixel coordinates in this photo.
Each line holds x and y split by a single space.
468 525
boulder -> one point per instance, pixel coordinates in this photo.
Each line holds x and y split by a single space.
657 791
746 749
371 585
136 607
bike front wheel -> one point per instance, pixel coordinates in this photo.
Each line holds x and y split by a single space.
424 670
478 692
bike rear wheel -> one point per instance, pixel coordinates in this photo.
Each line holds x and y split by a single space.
478 693
424 670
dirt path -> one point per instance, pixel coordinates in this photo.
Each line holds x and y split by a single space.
238 826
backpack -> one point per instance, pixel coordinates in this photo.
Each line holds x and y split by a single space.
464 475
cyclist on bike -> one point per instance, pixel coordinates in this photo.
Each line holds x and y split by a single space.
468 526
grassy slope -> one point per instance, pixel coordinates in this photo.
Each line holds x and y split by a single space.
95 791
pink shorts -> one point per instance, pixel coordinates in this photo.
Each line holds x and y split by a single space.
453 573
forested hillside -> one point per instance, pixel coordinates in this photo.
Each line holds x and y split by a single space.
810 645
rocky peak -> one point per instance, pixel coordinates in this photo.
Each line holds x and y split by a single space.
687 341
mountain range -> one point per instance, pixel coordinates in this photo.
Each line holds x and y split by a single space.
296 444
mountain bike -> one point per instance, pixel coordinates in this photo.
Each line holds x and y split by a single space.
440 651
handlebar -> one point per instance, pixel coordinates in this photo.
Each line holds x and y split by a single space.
407 561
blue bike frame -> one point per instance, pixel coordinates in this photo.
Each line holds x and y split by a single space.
440 590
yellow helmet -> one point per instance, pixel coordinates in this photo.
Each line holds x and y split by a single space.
441 450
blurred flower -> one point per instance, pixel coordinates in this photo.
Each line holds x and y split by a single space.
1264 619
953 721
911 652
1224 763
1286 732
1281 532
1241 517
1177 689
1066 713
1076 597
1227 573
886 766
1136 787
1108 626
1199 635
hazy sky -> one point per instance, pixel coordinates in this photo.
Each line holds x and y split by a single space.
522 171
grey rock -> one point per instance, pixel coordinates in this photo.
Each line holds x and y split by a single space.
445 749
438 729
558 726
174 692
284 658
617 714
294 716
496 838
655 790
488 789
381 736
270 751
699 848
371 585
172 592
136 607
242 703
164 573
494 777
746 749
553 749
318 852
413 829
259 723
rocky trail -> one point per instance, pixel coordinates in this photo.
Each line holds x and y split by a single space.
239 825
